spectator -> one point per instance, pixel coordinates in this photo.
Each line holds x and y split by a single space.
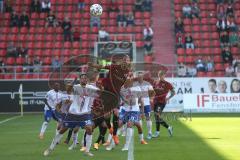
147 5
182 70
1 6
191 71
76 34
189 41
235 62
11 50
138 5
224 39
229 70
81 5
186 9
219 1
51 20
222 25
2 66
46 6
95 21
27 66
179 25
14 20
35 6
24 20
148 48
56 64
113 6
233 39
103 35
22 52
230 10
209 64
237 70
37 63
227 55
148 33
220 11
195 11
180 40
67 27
121 19
8 6
232 25
200 64
130 19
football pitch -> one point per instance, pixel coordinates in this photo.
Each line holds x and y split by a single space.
206 137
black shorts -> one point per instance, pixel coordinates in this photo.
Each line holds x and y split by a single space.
159 107
97 122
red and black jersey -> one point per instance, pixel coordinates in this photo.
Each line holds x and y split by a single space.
116 78
161 89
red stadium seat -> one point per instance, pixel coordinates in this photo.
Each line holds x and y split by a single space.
201 74
195 21
210 74
47 61
8 76
205 28
50 37
189 52
57 52
23 30
3 52
22 37
187 28
187 21
3 45
49 44
217 59
196 28
67 45
14 30
58 45
38 45
181 59
19 60
34 16
76 52
180 51
38 52
77 15
10 61
218 66
235 50
189 59
76 45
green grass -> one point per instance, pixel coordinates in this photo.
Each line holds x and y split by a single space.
207 136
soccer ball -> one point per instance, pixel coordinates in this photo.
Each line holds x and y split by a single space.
96 10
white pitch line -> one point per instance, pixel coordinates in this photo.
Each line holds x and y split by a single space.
9 119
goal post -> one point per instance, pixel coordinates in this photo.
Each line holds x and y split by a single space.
21 98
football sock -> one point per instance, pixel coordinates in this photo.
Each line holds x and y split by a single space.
56 139
149 126
162 122
44 127
88 142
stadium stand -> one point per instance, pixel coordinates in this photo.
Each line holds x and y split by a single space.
48 42
205 35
